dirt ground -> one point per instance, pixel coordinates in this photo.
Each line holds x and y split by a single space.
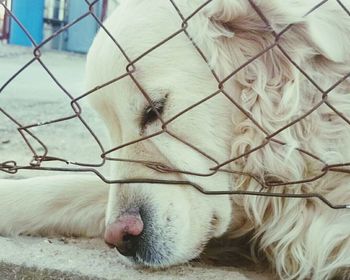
33 97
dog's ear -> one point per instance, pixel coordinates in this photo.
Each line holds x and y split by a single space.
271 88
325 29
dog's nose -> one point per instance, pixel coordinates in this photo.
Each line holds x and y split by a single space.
124 233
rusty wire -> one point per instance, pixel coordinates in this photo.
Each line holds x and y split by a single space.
36 162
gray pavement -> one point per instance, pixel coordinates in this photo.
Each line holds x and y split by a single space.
34 97
19 272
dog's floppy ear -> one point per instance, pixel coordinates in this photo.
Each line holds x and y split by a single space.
271 88
326 28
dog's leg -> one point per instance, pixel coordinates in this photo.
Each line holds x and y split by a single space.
57 205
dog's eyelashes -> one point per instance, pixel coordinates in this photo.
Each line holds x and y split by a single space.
150 113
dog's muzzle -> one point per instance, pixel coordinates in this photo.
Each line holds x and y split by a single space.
136 235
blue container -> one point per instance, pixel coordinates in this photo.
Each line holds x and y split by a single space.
30 13
81 34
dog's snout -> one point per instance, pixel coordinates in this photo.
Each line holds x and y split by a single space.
124 233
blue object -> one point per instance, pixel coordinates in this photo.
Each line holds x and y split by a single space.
81 34
30 13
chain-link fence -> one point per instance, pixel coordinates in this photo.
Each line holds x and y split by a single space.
40 157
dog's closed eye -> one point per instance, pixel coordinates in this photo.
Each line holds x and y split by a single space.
150 114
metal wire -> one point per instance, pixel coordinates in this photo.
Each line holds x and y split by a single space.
38 159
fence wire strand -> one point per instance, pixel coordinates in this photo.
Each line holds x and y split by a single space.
38 159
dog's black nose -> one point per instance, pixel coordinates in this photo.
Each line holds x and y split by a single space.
129 245
124 233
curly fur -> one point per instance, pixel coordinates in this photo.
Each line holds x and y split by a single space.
301 238
298 236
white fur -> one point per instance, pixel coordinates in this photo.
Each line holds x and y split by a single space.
301 238
67 205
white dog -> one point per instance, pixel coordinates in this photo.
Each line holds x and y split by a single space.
160 225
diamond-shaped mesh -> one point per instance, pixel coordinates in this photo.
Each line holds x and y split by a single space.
41 155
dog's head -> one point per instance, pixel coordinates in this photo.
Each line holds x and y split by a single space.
158 224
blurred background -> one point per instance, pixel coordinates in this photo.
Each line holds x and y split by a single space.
39 87
42 18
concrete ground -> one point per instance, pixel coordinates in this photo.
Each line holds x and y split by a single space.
30 98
